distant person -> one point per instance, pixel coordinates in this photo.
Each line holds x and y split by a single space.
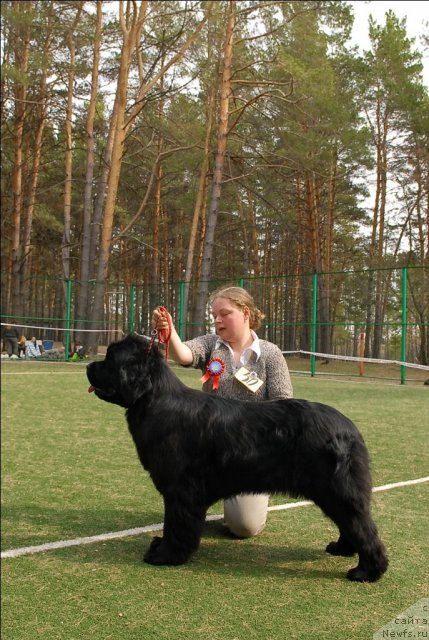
10 337
78 352
32 349
21 346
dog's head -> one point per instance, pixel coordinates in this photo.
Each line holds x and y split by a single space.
124 375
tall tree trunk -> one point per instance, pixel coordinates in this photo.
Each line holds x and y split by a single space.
96 223
419 291
154 292
199 201
254 254
29 212
268 271
379 288
41 115
65 245
313 223
85 264
200 250
371 299
131 24
21 52
199 316
329 242
314 226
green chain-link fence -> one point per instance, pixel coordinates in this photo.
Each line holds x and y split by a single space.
380 315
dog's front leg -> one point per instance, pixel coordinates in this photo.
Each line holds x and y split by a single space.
183 525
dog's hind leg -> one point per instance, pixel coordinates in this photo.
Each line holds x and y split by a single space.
358 534
347 501
373 559
183 525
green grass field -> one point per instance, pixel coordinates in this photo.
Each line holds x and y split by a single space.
69 470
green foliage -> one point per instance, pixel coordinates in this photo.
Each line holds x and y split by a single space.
48 225
302 110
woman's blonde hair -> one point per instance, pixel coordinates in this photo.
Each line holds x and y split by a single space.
241 298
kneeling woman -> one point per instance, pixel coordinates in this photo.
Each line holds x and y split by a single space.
236 364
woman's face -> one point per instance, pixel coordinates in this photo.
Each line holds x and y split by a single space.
231 322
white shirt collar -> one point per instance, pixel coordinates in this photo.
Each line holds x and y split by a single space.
246 355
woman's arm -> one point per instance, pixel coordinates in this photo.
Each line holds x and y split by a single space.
178 351
279 384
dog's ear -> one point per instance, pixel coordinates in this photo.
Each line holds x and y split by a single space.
134 382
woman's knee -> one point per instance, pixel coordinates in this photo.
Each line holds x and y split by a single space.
246 515
245 530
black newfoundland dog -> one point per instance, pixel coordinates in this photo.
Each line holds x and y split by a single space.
199 448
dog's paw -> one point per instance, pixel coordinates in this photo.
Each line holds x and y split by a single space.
362 575
340 549
156 541
159 554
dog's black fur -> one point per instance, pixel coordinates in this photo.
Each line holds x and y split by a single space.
199 448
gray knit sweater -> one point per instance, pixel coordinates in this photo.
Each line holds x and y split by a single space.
271 367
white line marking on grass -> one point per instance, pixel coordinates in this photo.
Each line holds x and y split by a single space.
412 383
62 544
405 483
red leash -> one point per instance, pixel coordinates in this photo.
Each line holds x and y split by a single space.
164 335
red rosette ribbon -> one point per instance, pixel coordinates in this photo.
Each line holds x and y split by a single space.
214 370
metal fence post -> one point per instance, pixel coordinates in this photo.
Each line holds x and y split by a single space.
404 325
68 321
313 326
